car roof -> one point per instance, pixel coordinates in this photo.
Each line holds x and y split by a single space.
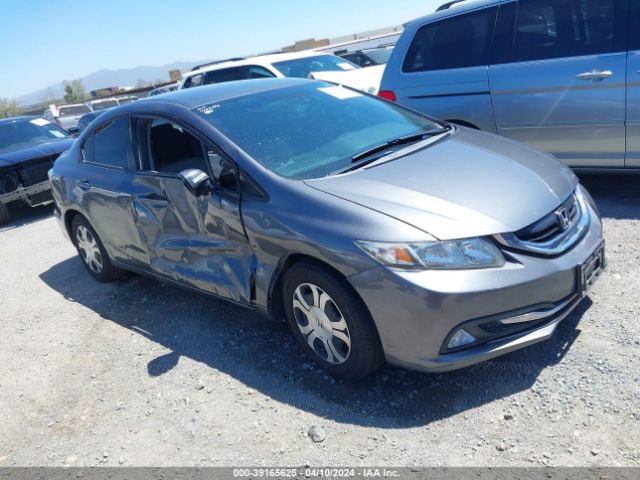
218 92
261 60
457 9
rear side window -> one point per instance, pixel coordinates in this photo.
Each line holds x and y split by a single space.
224 75
236 73
568 28
459 42
112 144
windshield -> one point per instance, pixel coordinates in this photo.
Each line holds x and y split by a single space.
103 105
379 55
71 110
28 133
303 67
310 130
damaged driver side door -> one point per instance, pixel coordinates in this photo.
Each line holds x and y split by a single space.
195 239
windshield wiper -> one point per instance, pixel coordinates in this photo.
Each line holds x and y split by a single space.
369 156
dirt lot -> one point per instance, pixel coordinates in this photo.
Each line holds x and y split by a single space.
139 373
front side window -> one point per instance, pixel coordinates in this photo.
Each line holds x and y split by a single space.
312 129
303 67
112 144
566 28
459 42
172 149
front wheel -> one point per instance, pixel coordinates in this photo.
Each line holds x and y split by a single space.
330 322
92 251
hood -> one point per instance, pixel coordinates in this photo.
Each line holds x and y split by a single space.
469 184
364 79
13 158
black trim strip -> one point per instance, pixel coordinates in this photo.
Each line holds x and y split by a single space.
466 94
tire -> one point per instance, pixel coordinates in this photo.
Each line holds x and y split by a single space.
4 214
92 252
347 350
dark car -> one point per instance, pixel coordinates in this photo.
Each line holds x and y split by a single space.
28 148
85 120
369 57
376 232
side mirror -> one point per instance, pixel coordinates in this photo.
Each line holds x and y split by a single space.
196 181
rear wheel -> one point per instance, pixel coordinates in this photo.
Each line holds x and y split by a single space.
330 322
92 252
4 214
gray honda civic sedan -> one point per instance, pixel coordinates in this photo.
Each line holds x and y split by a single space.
376 232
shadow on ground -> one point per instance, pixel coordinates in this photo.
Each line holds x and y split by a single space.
617 196
22 214
263 355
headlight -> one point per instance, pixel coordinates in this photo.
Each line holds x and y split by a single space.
448 255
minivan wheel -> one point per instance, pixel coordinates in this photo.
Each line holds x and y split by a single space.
4 214
92 252
330 322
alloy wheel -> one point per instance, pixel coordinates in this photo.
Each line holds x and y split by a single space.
89 249
321 323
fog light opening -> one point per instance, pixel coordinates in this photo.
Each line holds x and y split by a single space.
460 339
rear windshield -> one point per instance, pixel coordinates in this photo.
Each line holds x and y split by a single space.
21 134
70 110
379 55
104 105
312 129
303 67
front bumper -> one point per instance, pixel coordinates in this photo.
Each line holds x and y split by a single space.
416 312
34 195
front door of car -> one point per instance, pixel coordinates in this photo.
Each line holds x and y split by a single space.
633 90
104 190
198 240
558 81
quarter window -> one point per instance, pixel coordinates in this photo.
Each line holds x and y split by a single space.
112 144
193 81
567 28
463 41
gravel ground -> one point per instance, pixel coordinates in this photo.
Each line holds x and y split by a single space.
139 373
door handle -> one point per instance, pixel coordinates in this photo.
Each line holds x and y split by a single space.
154 197
595 75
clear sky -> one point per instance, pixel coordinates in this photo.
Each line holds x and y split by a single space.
45 42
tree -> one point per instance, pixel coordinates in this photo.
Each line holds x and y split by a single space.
49 97
74 91
9 108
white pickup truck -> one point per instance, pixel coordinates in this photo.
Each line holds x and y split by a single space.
315 65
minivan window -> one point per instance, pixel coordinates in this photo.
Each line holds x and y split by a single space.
71 110
112 144
634 20
459 42
565 28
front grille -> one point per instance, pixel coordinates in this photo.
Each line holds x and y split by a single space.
553 234
549 227
9 182
36 172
